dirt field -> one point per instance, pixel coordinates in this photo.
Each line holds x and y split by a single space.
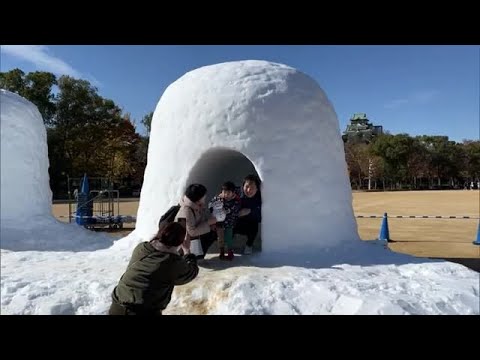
442 238
423 237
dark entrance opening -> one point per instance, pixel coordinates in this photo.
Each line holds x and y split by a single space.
216 166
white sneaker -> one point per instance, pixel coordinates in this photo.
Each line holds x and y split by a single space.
248 250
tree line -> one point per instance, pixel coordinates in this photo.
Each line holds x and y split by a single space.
404 162
88 133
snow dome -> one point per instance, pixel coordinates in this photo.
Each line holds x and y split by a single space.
224 121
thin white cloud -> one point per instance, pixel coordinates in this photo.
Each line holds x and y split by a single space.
395 103
43 59
419 97
425 96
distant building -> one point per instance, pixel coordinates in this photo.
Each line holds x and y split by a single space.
360 129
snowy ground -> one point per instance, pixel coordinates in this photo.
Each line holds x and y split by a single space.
45 233
369 280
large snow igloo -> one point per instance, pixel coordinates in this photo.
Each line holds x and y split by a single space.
224 121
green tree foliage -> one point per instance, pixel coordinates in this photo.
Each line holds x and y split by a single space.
421 162
13 81
147 122
35 86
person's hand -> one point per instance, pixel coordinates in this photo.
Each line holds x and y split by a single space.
190 258
244 212
212 221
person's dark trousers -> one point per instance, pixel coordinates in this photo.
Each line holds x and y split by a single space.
247 227
207 240
117 309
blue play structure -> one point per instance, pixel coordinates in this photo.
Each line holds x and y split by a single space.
96 208
84 213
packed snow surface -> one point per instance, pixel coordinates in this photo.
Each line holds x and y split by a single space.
372 281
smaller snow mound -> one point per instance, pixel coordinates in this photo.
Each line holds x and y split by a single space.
26 221
25 189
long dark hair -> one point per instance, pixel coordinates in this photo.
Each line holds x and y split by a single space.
171 235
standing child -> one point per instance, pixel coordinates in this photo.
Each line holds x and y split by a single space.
225 207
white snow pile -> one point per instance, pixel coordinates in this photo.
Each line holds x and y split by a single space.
26 221
422 289
373 281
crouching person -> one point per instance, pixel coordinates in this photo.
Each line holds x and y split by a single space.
198 221
155 268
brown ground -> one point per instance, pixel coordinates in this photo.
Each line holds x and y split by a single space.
443 238
423 237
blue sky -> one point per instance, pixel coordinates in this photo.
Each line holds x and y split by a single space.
413 89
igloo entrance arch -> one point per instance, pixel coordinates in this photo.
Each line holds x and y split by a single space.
218 165
283 122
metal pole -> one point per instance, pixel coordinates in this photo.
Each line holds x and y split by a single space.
370 171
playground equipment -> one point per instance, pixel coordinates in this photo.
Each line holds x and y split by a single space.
96 208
